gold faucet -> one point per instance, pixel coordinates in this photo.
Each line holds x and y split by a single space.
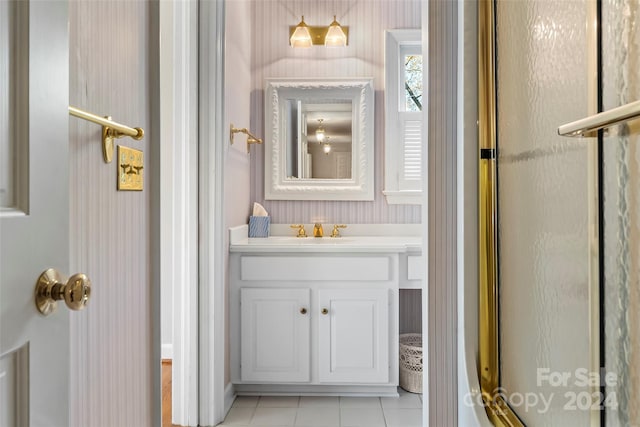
301 230
336 232
317 230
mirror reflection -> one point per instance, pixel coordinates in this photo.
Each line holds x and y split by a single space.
319 139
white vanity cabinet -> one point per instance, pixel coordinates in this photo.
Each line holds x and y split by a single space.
314 323
352 334
317 316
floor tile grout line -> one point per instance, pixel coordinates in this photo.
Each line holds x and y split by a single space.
384 415
295 419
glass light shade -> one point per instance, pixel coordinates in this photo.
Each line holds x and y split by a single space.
320 131
301 37
335 36
326 148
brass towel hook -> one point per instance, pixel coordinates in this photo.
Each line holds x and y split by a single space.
110 130
251 139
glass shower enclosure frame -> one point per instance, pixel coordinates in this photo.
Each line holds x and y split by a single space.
609 164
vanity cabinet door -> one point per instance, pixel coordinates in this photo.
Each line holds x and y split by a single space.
353 335
275 330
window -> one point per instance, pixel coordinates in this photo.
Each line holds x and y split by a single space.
403 117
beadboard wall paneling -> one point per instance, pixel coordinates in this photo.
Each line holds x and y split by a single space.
410 310
442 251
363 57
111 341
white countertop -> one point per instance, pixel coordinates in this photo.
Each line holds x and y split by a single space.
386 241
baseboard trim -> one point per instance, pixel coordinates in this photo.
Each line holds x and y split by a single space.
166 351
229 397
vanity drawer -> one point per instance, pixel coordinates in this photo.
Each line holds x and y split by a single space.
343 268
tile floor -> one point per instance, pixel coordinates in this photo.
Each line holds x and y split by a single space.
265 411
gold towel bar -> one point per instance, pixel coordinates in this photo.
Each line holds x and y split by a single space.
251 139
110 130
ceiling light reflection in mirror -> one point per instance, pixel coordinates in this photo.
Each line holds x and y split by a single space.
320 121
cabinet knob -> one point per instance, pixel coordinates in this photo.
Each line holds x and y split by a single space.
303 310
325 311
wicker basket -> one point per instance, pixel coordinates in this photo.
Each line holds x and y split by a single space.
411 362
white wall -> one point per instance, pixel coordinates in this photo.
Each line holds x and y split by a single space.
112 355
363 57
237 111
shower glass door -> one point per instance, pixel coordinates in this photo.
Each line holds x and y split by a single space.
568 213
621 213
546 223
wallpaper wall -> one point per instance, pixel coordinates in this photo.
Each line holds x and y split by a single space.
364 57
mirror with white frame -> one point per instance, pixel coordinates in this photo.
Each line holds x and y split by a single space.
319 139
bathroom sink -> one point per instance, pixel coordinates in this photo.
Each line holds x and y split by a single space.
287 240
283 240
326 244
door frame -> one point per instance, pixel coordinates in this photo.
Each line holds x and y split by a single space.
191 215
178 266
440 235
214 399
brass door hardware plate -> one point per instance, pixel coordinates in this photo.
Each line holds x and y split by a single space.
130 169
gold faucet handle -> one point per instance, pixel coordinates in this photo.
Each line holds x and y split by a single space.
336 232
301 231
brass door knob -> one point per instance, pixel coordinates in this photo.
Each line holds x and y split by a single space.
325 311
51 287
303 310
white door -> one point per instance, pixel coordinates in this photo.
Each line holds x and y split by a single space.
34 224
353 335
275 331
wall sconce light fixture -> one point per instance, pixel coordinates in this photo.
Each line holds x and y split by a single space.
303 35
320 132
300 37
335 35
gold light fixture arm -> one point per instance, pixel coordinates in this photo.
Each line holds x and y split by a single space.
251 139
110 130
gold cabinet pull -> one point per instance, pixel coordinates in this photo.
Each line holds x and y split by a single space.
303 310
51 287
325 311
